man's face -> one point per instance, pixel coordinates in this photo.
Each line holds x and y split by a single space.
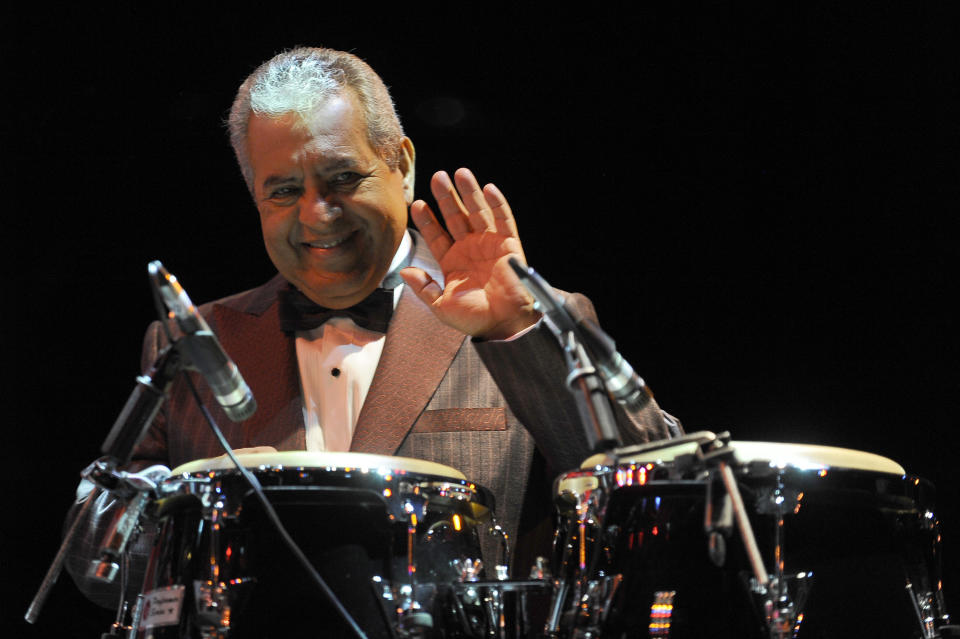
332 212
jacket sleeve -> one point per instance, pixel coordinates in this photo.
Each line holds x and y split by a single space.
530 372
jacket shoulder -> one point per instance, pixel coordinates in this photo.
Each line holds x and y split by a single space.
254 301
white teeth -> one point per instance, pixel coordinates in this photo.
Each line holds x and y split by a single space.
328 244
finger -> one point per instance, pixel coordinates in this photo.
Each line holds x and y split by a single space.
421 284
503 219
437 239
478 213
451 207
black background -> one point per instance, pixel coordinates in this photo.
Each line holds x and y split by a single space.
759 201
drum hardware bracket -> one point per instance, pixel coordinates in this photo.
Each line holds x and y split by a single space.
552 625
138 490
704 438
492 596
215 601
591 596
925 604
718 458
128 429
718 522
479 605
780 611
406 607
717 548
783 613
594 605
540 570
502 568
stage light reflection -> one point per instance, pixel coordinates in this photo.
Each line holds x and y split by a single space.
661 613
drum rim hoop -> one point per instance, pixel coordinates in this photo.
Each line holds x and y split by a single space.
810 457
364 462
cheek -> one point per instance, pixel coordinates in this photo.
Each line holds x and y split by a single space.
273 227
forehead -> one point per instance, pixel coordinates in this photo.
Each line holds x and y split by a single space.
334 131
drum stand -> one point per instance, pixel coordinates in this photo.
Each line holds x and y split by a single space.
580 607
782 612
483 609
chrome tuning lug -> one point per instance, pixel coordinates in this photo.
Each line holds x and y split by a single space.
407 607
215 603
595 604
782 600
540 569
467 569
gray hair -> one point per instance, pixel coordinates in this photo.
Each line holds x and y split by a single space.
298 81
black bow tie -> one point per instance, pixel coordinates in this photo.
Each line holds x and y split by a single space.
300 313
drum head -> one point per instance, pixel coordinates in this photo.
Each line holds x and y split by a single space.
330 461
799 456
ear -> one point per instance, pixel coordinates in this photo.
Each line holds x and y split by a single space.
406 167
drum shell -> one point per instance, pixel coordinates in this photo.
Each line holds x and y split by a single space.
863 535
352 524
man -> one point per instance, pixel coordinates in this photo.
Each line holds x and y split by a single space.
332 175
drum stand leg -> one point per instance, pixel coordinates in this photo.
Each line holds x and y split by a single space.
782 613
215 599
585 601
406 607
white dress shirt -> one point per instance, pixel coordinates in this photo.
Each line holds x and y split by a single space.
337 362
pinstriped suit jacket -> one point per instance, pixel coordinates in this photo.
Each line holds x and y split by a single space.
482 407
497 411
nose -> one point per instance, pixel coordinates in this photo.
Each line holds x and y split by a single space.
321 211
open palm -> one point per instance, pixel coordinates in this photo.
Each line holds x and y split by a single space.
482 296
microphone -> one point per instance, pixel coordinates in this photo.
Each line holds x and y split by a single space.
621 381
203 349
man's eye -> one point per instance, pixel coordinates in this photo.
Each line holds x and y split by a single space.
284 193
346 179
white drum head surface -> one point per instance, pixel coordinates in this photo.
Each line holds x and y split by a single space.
305 459
800 456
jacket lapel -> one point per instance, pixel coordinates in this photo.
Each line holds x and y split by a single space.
416 355
417 352
250 333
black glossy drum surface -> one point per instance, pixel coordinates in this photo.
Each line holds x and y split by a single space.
859 549
367 531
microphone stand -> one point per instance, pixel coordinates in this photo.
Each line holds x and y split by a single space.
583 379
190 351
131 425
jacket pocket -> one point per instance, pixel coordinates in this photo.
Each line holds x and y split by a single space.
450 420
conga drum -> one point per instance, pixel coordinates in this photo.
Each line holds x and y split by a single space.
648 545
396 539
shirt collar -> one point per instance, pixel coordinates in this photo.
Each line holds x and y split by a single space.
401 259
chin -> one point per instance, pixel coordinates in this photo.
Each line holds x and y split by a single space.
340 294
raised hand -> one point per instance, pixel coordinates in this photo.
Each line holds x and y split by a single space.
482 295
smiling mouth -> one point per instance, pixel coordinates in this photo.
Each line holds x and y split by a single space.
329 243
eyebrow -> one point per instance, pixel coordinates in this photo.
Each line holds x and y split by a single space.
274 180
340 162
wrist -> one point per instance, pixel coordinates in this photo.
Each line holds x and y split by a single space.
509 328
